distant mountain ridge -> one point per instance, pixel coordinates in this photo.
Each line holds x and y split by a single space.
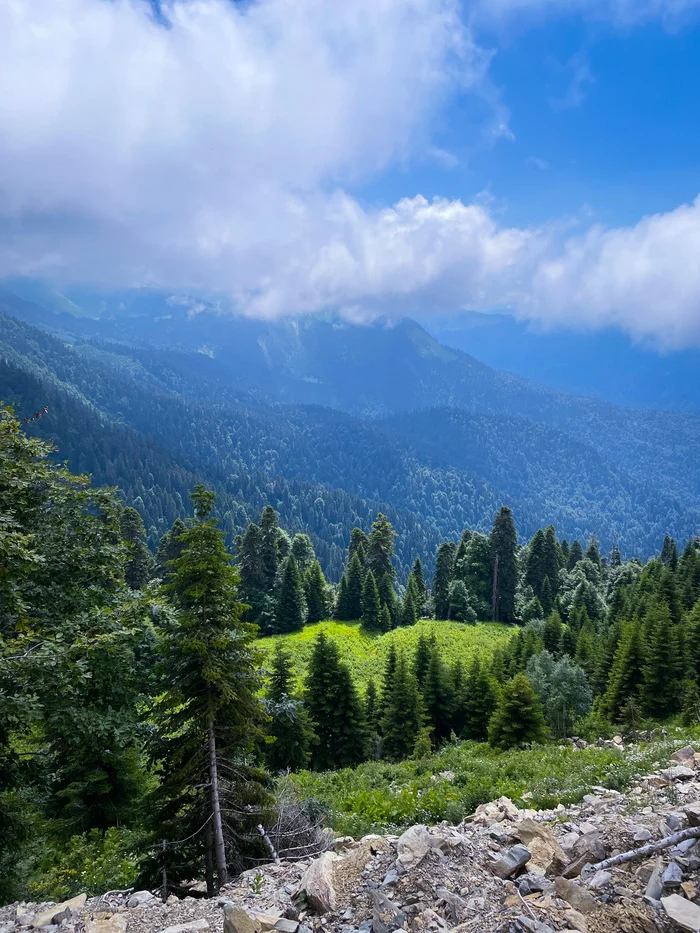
428 433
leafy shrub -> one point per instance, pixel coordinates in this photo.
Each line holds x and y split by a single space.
91 862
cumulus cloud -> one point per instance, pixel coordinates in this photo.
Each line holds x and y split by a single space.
218 151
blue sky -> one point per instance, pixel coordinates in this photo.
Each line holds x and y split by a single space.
376 157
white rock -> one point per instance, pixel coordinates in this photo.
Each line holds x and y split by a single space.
191 927
413 846
45 917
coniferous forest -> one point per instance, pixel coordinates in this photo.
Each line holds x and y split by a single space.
141 714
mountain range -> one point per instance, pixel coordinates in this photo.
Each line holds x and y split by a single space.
331 421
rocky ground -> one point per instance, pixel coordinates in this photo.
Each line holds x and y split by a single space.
503 870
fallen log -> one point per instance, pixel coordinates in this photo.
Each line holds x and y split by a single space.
650 849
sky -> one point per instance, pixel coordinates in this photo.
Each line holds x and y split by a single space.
372 157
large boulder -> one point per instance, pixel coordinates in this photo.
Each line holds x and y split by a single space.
316 886
239 921
545 851
496 811
413 846
510 863
46 917
683 755
575 895
142 899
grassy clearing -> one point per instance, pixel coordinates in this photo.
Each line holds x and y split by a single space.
380 797
366 654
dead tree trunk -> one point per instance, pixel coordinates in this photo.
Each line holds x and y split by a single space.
219 847
650 849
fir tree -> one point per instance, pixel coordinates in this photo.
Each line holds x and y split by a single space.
303 551
477 701
444 568
291 603
593 551
552 633
169 549
504 541
372 707
385 621
408 609
359 544
355 582
421 659
575 555
402 720
387 682
334 709
564 547
627 673
552 559
547 597
342 603
586 655
387 597
421 588
209 709
534 565
518 719
662 690
315 593
380 549
140 565
289 726
568 642
371 607
461 607
269 546
438 697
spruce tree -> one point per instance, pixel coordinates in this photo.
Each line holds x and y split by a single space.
534 564
477 701
461 608
403 719
593 551
289 726
335 710
408 610
169 549
586 655
303 551
438 697
504 572
371 607
355 582
552 633
421 588
387 597
140 564
380 549
209 711
342 603
627 674
421 659
444 569
547 597
359 543
564 546
662 690
575 555
519 718
290 611
387 682
315 593
552 559
269 546
372 707
385 621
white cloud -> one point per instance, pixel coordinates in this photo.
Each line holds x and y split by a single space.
218 153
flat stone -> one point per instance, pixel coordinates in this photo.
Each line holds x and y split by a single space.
683 912
678 773
687 753
642 835
574 894
576 920
386 916
511 862
267 921
45 917
601 879
591 846
142 899
692 811
190 927
286 926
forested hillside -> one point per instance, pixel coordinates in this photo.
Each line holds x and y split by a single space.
181 414
137 704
